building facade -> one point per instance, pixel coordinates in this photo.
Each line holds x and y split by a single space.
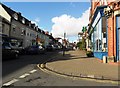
104 29
5 21
20 30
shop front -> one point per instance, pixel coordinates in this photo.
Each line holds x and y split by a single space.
98 33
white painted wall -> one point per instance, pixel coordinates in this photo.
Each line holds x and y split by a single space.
4 14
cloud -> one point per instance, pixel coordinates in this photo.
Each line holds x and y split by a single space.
69 24
37 20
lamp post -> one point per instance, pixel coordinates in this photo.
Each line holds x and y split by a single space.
64 44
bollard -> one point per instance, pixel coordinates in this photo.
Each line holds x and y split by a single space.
104 59
42 66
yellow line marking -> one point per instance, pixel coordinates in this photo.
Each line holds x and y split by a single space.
76 78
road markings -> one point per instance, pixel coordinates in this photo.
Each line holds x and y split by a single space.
10 82
20 77
33 71
24 75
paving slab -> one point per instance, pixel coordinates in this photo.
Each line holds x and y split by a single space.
76 63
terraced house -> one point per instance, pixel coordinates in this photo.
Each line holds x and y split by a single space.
104 29
19 29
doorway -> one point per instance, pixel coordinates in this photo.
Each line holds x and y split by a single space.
118 37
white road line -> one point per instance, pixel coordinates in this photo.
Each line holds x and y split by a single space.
33 71
10 82
24 75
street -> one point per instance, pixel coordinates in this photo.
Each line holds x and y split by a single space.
24 72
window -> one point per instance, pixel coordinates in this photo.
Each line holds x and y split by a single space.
3 28
22 33
23 21
16 16
29 24
104 35
99 37
13 29
27 34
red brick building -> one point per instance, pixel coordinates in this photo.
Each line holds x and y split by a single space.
104 29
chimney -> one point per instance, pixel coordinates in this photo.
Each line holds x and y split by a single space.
47 32
19 13
51 34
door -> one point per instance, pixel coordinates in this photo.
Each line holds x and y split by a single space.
119 42
118 38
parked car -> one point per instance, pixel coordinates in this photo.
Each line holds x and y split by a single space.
70 48
49 47
35 49
56 47
18 47
8 52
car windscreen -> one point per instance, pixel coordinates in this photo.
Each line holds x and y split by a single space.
6 44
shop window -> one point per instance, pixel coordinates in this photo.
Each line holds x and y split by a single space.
97 37
104 35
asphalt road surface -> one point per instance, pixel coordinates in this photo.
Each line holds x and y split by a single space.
24 72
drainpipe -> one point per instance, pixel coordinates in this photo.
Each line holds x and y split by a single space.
113 32
10 28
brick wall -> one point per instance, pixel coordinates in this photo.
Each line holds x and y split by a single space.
110 37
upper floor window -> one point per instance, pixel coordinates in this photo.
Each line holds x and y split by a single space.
27 34
23 32
23 21
16 16
29 24
13 29
3 28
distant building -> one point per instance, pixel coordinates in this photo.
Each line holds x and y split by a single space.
20 30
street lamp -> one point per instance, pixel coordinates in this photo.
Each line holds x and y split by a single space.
64 44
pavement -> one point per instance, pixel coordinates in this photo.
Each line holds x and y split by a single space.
77 64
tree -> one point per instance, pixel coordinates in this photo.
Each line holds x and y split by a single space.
84 29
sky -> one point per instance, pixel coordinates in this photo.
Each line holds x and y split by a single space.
55 17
